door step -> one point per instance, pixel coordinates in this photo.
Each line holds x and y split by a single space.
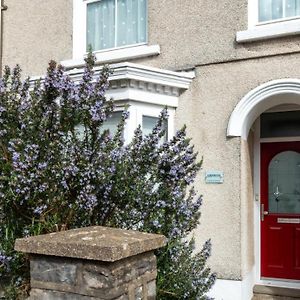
264 292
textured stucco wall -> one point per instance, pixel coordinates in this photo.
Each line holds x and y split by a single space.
227 212
195 33
205 109
200 32
35 32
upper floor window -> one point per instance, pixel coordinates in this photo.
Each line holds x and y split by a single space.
115 23
268 19
271 10
106 25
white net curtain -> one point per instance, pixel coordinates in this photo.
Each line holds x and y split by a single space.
116 23
278 9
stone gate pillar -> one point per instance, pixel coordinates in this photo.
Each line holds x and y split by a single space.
92 263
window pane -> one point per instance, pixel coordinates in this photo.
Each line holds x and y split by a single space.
149 123
101 24
280 124
284 183
131 22
112 122
292 8
270 10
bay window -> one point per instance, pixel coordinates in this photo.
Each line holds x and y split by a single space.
144 92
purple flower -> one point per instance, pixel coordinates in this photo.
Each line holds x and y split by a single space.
5 261
40 209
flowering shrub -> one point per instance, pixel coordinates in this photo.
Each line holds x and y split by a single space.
59 170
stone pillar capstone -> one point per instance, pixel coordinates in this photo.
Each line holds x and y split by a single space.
92 263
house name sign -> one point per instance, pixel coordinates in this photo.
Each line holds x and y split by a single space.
214 177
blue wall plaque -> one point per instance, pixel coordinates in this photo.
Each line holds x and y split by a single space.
214 177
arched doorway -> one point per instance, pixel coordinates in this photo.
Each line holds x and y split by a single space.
272 110
274 93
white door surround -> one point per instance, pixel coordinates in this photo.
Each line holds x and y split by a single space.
260 99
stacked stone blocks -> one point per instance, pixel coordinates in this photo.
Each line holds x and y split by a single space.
120 264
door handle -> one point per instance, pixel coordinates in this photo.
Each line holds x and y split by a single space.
263 213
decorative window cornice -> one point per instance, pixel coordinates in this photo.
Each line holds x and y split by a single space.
136 82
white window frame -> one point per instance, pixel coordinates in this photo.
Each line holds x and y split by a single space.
266 30
253 15
106 55
138 110
154 112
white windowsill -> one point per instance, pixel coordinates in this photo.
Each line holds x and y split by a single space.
116 55
269 31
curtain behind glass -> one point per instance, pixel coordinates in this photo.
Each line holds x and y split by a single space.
104 32
270 10
101 24
292 8
278 9
131 22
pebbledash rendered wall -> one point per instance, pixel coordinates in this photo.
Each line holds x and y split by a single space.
199 35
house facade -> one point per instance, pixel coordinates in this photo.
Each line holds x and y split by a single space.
230 71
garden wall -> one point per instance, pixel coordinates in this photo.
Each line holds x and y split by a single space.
92 263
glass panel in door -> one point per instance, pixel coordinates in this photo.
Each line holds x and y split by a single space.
284 183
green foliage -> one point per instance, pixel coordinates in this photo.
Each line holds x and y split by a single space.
59 170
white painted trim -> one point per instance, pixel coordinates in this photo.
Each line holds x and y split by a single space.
226 290
233 289
114 55
138 72
154 111
139 83
260 99
247 285
143 97
136 112
79 28
252 13
269 31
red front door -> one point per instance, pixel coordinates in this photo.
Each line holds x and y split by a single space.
280 210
